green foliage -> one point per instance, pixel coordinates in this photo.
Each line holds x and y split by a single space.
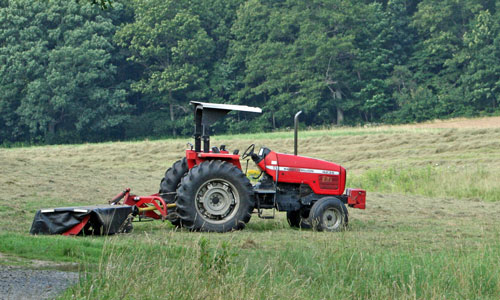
291 56
169 39
217 259
71 71
58 72
480 62
104 4
455 57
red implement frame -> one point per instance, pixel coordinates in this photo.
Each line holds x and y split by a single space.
142 202
78 227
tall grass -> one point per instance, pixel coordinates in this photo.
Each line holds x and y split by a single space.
446 182
335 269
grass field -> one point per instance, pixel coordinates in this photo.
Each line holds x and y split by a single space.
431 229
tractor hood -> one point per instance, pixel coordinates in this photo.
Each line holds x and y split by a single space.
322 176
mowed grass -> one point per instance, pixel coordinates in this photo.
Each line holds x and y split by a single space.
430 230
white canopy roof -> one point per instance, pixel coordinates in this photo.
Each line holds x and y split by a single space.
227 106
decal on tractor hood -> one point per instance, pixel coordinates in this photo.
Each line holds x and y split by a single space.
303 170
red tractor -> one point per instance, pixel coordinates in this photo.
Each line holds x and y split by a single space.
208 191
212 193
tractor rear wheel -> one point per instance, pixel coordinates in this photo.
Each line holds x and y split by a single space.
328 214
169 185
215 196
297 219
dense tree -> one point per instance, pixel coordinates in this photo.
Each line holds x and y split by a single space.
479 65
178 44
292 55
57 70
72 71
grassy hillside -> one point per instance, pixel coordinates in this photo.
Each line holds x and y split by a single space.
431 228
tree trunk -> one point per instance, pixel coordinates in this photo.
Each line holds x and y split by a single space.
274 122
52 127
337 98
172 118
340 116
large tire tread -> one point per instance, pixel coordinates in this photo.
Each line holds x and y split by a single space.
171 182
318 209
295 219
199 174
172 178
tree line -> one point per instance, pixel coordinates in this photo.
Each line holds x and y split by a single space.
73 72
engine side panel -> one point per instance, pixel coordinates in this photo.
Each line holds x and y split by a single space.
325 178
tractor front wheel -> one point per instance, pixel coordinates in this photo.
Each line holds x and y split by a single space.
215 196
297 219
328 214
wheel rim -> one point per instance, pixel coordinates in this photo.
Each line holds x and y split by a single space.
217 200
332 219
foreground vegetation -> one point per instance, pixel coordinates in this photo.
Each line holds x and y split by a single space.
431 229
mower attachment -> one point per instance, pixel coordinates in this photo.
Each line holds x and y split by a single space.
100 219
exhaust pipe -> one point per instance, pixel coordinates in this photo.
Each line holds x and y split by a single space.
296 123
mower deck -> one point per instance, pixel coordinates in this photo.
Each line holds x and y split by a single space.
99 219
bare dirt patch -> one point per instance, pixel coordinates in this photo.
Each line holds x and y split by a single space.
26 284
22 278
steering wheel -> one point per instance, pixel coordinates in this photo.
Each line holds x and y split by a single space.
248 152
